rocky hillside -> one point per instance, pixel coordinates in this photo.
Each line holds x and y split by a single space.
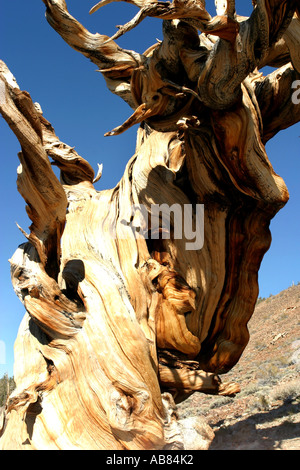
265 415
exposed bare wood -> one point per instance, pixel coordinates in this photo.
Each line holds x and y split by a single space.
45 198
192 11
129 308
115 63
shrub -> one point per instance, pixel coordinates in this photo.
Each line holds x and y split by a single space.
287 392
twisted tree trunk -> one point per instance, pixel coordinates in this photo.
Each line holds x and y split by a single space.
129 308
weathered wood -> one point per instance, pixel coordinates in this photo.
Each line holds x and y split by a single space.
124 309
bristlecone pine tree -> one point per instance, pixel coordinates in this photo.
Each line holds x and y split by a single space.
123 316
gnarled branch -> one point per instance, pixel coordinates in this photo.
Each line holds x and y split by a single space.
115 63
44 195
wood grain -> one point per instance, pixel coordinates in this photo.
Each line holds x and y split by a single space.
118 321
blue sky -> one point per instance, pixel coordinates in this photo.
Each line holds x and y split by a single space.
75 100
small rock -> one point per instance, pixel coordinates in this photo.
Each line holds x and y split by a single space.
295 359
197 434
